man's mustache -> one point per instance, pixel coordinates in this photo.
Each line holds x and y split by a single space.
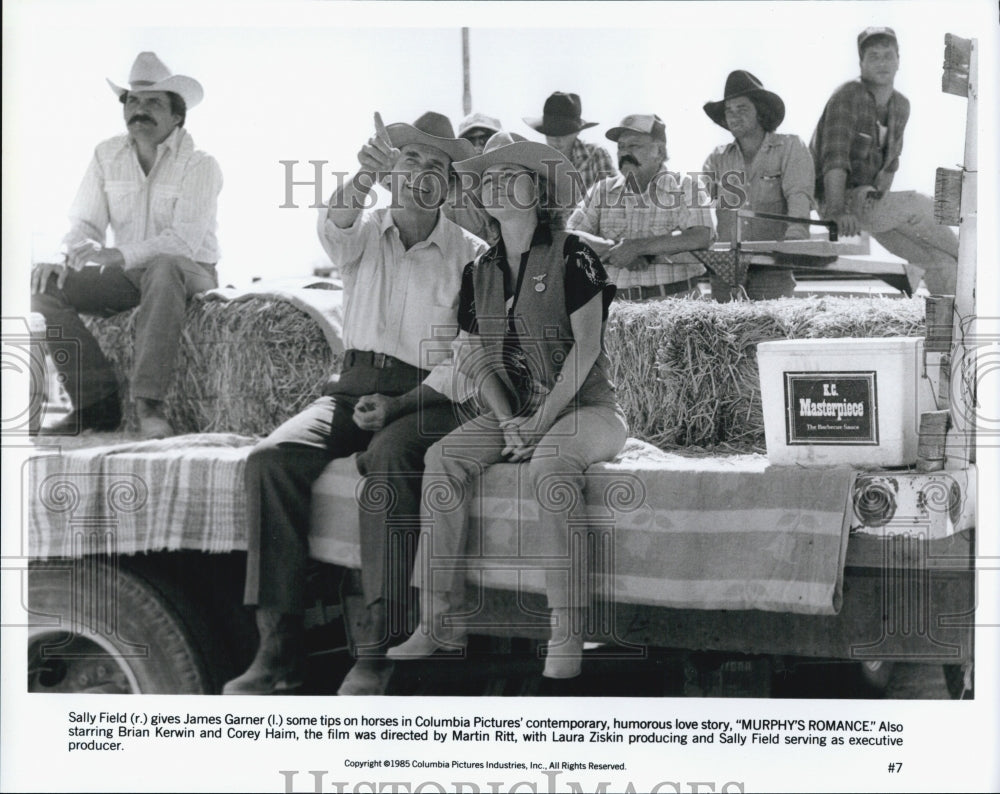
141 117
627 158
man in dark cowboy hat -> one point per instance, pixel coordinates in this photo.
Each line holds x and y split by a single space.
759 170
158 194
561 124
856 147
402 269
644 222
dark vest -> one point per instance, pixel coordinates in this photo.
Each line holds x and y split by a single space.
543 326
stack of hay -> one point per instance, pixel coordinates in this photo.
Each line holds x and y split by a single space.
687 373
686 370
244 366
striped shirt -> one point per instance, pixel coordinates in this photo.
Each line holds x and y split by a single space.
847 136
172 210
613 211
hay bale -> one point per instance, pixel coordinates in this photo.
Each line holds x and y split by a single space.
243 367
686 370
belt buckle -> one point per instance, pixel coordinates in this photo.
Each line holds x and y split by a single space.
378 360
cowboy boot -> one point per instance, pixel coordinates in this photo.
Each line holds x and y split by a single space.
431 635
564 654
277 667
367 634
152 419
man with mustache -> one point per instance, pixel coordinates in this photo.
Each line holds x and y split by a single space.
643 222
159 195
856 147
402 270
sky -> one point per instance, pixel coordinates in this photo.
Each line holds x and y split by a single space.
300 82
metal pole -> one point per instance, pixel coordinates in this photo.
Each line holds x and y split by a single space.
466 82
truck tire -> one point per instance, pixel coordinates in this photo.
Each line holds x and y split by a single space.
873 677
960 681
100 628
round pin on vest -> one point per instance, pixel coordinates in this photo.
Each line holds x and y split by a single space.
539 287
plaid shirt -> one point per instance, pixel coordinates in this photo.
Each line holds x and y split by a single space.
779 179
592 161
616 213
847 136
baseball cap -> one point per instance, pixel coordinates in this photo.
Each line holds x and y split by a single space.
648 124
867 33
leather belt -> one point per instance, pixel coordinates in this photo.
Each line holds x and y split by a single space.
642 293
365 358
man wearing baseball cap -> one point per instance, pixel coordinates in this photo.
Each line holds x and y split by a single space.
402 270
643 222
856 148
477 128
158 194
561 124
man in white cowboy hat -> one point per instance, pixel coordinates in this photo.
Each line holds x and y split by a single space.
856 147
643 222
561 124
402 268
758 170
158 194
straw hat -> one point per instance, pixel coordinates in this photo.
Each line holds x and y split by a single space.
508 147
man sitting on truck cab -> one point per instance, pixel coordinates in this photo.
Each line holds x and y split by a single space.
158 194
856 147
402 269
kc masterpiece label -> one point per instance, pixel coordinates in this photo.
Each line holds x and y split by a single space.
839 408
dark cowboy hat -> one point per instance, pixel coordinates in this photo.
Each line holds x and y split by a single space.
509 147
431 129
560 116
741 83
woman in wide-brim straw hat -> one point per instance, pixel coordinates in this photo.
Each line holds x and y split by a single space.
531 314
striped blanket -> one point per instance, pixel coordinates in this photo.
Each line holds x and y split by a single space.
714 532
718 532
184 492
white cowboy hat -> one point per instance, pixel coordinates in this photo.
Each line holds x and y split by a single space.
149 73
509 147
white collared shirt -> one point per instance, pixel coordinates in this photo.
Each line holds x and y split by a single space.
400 302
172 210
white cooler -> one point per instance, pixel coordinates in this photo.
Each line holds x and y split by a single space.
844 401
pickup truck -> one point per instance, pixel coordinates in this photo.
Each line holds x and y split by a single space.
137 548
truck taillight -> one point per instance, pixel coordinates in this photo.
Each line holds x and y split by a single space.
874 501
932 504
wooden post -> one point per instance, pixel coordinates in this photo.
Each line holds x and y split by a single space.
962 436
466 81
